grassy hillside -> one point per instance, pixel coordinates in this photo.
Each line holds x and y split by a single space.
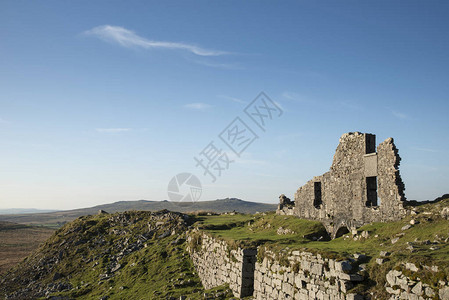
135 255
59 218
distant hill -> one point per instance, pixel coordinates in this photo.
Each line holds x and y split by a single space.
57 218
10 211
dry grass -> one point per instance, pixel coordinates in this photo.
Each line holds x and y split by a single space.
17 241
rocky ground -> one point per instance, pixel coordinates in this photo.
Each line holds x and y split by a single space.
131 254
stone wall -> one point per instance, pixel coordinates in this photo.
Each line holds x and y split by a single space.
344 200
298 274
218 264
306 276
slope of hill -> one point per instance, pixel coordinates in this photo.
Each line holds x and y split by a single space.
134 255
58 218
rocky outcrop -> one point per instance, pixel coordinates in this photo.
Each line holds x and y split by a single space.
100 245
405 283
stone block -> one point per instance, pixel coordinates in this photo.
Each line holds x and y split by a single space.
317 269
417 289
444 293
412 267
343 266
354 297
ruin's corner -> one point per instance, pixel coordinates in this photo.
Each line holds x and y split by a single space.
362 186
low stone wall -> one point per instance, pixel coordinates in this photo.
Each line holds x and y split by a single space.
305 276
297 274
217 264
400 286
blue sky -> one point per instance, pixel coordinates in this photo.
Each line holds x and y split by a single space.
102 101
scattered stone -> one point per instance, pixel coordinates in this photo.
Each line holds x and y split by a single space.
395 240
417 289
445 213
414 222
359 257
429 292
380 261
412 267
116 268
384 253
444 293
283 231
406 227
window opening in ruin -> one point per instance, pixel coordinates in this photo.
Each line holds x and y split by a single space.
317 201
341 231
371 191
370 143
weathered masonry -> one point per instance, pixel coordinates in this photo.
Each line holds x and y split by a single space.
362 186
297 274
218 264
250 273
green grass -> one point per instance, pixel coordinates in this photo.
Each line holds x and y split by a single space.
254 230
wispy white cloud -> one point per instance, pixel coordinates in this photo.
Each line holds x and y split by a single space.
3 121
112 130
232 99
399 115
198 106
128 39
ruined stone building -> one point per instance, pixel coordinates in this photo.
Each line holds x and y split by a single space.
362 186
